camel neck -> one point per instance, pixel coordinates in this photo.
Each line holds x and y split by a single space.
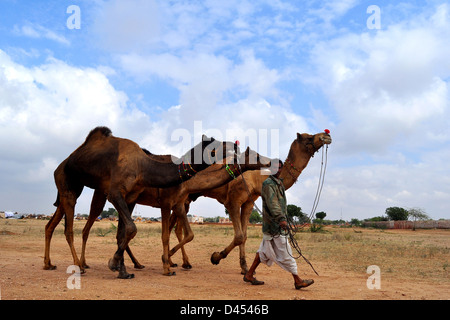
292 168
162 174
212 177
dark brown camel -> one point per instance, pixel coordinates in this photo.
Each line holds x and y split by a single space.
120 170
174 199
239 195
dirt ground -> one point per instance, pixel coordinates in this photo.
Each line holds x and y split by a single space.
22 276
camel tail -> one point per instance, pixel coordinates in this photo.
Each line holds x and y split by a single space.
56 204
194 196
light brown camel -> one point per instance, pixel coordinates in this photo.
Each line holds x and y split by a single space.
239 200
174 199
119 169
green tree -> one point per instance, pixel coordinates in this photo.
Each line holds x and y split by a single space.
109 212
255 217
380 218
321 215
417 214
355 222
296 214
397 213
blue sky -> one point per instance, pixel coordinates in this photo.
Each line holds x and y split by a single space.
149 68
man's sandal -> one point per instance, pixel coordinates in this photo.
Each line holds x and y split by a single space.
254 281
304 284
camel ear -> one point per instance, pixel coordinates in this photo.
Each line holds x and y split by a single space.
299 137
205 138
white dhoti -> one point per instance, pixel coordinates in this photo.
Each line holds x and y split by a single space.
278 250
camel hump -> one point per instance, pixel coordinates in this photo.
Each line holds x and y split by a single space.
99 131
104 131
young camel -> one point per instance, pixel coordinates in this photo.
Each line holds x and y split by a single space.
120 170
239 195
174 199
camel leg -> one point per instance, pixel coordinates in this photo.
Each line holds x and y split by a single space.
49 228
234 211
165 235
186 263
179 234
246 211
125 232
69 207
179 211
136 263
97 205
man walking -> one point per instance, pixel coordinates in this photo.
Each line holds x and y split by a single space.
275 246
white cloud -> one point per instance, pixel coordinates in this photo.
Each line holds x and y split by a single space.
43 172
331 10
227 96
44 101
202 78
386 84
37 31
46 112
389 90
364 191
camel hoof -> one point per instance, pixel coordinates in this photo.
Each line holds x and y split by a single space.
126 276
85 266
139 266
112 265
170 273
187 266
50 267
215 258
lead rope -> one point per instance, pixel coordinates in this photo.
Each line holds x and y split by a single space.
292 229
323 169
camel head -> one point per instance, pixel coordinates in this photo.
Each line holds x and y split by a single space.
312 143
252 160
210 151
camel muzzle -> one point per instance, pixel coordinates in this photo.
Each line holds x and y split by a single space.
326 140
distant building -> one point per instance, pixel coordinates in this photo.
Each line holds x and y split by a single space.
195 219
224 220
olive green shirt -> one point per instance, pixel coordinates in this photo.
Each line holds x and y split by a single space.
274 207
